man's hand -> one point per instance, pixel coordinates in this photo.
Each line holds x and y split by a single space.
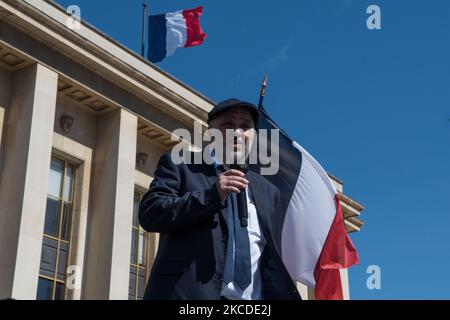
230 181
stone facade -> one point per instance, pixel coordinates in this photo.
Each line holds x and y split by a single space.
80 98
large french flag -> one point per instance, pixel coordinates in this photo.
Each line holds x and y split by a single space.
315 244
170 31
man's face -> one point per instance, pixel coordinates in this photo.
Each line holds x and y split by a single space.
240 122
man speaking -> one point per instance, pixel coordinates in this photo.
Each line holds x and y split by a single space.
220 230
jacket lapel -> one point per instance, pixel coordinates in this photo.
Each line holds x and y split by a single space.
211 177
259 198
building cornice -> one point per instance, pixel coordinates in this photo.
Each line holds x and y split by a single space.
47 22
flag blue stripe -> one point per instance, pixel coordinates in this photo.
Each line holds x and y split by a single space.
157 33
290 162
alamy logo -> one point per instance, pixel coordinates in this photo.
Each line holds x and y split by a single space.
374 280
73 281
235 146
73 22
374 20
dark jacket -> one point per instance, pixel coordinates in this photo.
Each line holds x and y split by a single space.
183 205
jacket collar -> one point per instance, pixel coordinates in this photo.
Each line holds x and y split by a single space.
259 198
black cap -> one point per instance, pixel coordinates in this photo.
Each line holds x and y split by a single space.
233 103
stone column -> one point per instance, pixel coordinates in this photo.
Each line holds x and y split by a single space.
2 120
107 265
24 179
303 290
345 284
5 85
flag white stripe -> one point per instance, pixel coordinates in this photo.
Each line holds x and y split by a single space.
176 32
309 217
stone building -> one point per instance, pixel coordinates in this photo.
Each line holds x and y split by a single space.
83 121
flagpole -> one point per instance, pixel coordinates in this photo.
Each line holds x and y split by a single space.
263 110
144 25
263 92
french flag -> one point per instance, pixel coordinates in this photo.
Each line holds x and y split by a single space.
170 31
315 244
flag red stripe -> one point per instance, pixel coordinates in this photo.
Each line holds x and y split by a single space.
338 252
195 35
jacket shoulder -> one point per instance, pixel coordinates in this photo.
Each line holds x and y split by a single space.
263 182
182 158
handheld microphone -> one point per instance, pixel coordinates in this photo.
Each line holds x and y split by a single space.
242 197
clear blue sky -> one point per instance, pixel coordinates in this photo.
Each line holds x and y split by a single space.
372 106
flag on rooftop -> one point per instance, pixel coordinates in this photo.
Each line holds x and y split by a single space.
169 31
